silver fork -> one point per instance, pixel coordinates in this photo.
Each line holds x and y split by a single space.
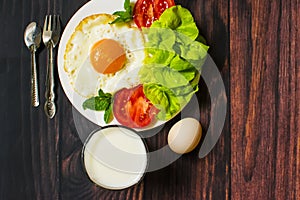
51 35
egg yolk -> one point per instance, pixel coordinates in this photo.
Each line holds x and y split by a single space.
107 56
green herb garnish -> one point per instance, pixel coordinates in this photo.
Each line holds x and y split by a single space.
102 102
123 16
108 115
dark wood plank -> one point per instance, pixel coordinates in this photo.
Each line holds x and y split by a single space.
29 148
265 120
40 158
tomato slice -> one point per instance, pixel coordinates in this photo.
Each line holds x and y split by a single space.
132 108
147 11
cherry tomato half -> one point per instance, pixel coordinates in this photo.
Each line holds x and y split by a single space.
147 11
132 108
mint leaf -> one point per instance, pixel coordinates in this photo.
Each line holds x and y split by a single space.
123 16
96 103
102 102
104 95
127 6
108 116
101 93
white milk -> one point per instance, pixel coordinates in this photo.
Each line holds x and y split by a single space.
115 158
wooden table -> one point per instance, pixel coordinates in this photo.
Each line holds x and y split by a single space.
255 44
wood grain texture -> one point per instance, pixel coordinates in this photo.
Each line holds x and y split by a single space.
30 142
255 44
264 43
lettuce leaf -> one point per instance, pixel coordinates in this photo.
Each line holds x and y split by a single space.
165 76
179 19
158 56
164 99
192 51
164 44
160 38
173 61
180 64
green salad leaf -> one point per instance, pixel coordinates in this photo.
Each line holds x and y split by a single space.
185 68
158 56
179 19
162 75
163 44
180 64
190 89
160 38
173 61
164 99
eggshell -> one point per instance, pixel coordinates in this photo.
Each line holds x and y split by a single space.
185 135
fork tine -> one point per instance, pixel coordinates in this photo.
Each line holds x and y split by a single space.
46 23
51 32
49 22
53 25
57 23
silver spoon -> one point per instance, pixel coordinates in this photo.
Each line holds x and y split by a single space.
32 38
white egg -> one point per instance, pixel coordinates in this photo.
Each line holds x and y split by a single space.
185 135
85 80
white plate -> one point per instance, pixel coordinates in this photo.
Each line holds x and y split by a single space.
90 8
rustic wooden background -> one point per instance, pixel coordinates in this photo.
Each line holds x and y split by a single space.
256 45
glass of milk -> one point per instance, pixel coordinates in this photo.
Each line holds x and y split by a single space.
115 157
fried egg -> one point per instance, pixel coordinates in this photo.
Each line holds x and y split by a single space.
101 55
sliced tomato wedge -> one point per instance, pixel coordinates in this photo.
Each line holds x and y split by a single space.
132 108
147 11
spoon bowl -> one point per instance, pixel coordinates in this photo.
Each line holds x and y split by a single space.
32 39
33 36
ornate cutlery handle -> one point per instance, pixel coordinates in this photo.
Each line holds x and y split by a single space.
49 107
34 82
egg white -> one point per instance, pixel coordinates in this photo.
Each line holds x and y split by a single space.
83 78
